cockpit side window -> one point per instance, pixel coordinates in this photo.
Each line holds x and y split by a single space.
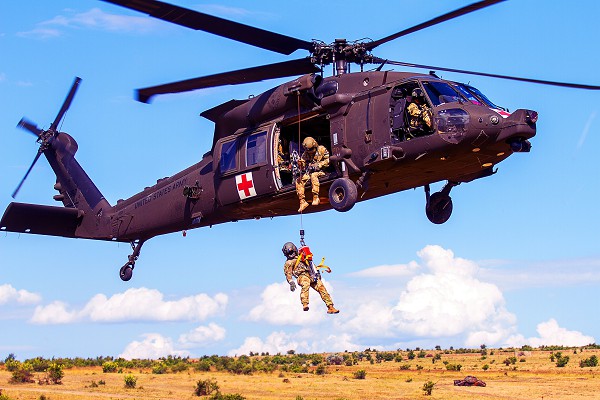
441 92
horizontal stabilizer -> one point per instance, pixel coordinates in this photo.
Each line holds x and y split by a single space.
41 220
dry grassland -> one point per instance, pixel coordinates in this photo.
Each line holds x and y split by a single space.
534 378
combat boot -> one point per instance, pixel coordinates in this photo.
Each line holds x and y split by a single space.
316 200
332 310
303 205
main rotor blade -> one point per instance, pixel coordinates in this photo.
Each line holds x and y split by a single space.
255 74
66 103
29 126
514 78
26 174
218 26
448 16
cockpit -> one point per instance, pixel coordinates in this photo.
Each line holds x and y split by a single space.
412 118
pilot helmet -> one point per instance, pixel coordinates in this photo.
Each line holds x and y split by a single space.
290 250
417 93
309 144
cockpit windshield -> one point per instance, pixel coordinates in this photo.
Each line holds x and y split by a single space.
475 96
441 92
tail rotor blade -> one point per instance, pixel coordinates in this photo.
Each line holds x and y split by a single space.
29 126
26 174
66 104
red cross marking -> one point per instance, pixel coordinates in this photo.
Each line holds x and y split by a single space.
245 185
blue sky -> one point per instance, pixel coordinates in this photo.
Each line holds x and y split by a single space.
517 263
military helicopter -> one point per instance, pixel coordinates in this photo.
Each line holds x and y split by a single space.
361 117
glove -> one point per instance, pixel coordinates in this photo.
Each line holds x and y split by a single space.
312 168
292 286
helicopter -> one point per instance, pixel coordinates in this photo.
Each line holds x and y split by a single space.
361 117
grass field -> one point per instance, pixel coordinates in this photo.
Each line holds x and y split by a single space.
532 376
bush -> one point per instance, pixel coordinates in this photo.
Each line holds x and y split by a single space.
130 381
453 367
589 362
179 367
55 373
220 396
562 361
23 374
360 374
428 387
321 370
109 367
485 367
202 365
159 368
206 387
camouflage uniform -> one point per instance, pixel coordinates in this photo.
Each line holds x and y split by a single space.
418 115
301 272
317 159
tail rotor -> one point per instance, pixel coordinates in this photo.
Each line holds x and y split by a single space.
45 137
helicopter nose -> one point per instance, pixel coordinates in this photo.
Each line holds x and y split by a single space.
518 127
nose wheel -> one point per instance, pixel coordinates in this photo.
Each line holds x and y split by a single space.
438 207
126 271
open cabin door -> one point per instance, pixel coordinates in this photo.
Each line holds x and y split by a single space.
245 168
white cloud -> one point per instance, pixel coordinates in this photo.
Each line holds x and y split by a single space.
304 341
140 304
445 300
9 294
551 334
387 271
276 342
93 19
451 301
152 347
202 335
280 306
54 313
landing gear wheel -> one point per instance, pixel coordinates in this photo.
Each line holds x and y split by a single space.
126 272
343 194
439 208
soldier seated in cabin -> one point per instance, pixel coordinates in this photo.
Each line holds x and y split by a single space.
314 159
419 114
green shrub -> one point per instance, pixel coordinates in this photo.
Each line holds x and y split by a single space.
203 365
23 374
179 367
159 368
220 396
109 367
12 365
428 387
55 373
453 367
321 370
206 387
130 381
485 367
589 362
562 361
360 374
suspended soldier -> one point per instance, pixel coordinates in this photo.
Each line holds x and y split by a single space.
307 278
313 160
